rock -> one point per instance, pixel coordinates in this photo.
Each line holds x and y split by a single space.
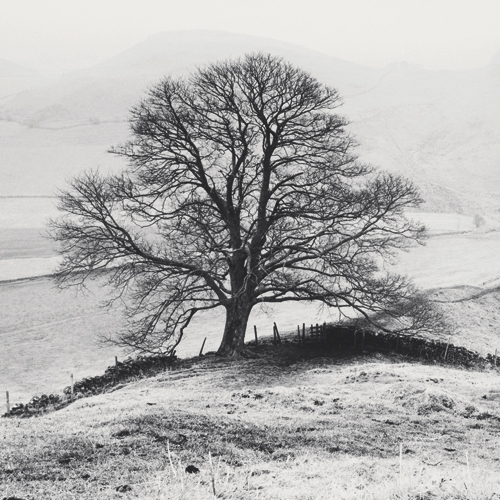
121 434
124 488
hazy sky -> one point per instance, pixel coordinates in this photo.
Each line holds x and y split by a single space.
436 34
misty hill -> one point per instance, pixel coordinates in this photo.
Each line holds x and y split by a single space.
11 69
15 79
439 128
107 91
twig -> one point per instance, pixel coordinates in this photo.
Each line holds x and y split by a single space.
180 475
212 473
432 465
400 462
468 466
170 459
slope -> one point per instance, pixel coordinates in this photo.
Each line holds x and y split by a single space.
289 425
15 79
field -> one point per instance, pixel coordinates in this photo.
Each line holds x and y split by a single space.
66 326
290 424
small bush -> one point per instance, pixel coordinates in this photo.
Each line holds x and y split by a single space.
479 220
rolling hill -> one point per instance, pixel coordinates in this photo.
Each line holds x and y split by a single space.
290 424
15 78
439 128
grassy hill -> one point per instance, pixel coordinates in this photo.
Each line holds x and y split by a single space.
289 424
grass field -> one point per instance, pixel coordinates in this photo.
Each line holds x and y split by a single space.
291 424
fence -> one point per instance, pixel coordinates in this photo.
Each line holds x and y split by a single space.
343 339
346 338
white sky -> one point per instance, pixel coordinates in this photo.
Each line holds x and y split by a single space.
436 34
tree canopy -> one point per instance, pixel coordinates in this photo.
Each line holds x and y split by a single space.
241 187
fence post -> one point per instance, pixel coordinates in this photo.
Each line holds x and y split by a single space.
495 358
7 401
72 386
115 373
277 333
304 332
255 332
397 344
298 332
446 351
202 346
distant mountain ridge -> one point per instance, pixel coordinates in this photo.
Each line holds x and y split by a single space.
15 78
10 69
439 128
107 90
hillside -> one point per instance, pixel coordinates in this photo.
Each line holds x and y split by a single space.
438 128
15 79
10 69
291 424
474 314
106 91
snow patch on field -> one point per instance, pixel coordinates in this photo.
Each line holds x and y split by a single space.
454 259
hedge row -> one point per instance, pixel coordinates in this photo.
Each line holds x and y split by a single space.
343 339
38 405
141 366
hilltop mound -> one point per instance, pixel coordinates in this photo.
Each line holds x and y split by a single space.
276 427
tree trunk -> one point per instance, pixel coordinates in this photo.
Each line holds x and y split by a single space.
233 341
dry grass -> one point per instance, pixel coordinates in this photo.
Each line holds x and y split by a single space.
290 425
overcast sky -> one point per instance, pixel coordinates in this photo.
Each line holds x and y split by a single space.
435 34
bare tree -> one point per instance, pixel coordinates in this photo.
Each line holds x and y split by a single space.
241 188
